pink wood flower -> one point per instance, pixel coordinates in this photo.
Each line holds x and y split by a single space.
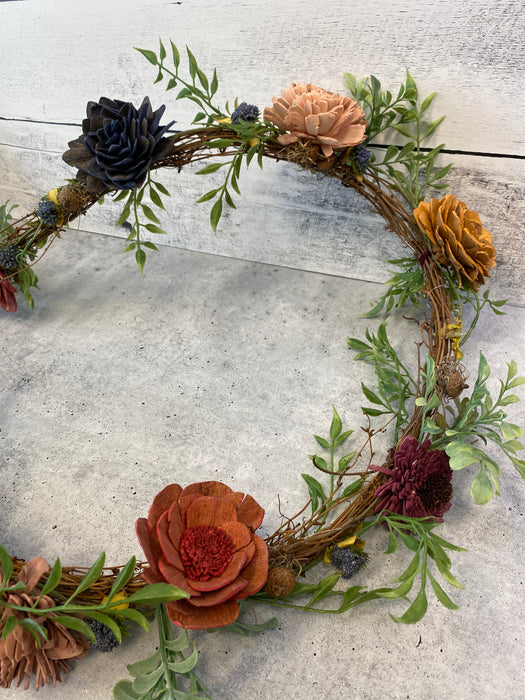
202 539
307 111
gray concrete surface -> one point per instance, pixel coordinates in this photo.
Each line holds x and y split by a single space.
215 368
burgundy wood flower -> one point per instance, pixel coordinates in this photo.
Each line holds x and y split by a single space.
202 540
7 293
419 483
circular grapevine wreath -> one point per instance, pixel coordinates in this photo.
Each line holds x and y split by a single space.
203 556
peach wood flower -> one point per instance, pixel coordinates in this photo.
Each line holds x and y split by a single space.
457 238
307 111
202 540
20 655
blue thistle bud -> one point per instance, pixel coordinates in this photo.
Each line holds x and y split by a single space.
105 639
245 113
361 157
9 258
348 560
47 212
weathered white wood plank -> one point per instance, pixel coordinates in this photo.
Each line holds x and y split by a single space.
285 216
55 56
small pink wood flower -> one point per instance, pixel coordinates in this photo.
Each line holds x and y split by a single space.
202 539
307 111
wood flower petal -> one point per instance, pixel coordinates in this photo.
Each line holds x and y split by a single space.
175 577
169 548
257 571
149 543
183 614
163 501
215 597
32 572
210 511
250 512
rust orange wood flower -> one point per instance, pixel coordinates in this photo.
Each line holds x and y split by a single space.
202 539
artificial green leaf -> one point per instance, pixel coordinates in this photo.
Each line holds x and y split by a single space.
152 228
219 143
109 622
187 664
211 168
426 102
432 127
149 214
324 588
352 488
193 67
345 461
175 54
162 189
392 544
123 577
151 56
481 489
123 690
214 83
91 576
53 579
411 569
336 425
140 257
416 611
156 593
209 195
315 490
324 443
135 616
519 465
441 595
155 198
461 454
7 565
9 625
449 578
77 624
370 396
143 684
401 591
179 643
215 214
142 668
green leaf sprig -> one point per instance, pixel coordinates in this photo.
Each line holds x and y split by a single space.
159 677
394 382
67 612
409 168
135 208
480 418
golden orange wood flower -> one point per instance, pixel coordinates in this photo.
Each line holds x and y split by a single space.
458 238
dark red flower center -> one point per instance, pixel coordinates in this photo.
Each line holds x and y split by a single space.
435 492
205 551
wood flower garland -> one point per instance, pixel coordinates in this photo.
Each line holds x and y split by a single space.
203 556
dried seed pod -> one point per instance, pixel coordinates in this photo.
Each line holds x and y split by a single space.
281 582
455 385
68 202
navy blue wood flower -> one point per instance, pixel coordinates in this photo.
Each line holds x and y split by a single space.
118 145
